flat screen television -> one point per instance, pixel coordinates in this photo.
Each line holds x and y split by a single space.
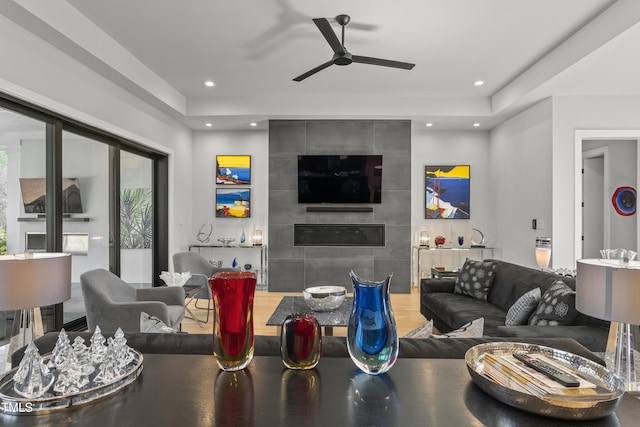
34 193
339 178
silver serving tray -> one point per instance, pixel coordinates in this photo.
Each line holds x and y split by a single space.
11 403
611 387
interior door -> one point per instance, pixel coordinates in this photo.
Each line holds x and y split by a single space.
593 196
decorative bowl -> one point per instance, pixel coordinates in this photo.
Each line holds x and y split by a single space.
226 240
324 298
598 403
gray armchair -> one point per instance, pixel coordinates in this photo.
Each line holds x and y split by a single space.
112 303
197 287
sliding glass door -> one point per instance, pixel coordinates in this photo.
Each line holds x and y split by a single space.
22 208
136 219
85 213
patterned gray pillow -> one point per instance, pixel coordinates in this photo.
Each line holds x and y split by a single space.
152 324
473 329
557 306
475 278
521 310
423 331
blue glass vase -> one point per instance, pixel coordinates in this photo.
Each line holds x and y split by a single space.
372 336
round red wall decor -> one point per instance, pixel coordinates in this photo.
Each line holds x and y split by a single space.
624 201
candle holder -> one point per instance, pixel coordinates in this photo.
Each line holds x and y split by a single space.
257 237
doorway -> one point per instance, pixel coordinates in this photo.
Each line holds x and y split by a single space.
620 169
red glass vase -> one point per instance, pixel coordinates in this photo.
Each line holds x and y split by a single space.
233 293
300 341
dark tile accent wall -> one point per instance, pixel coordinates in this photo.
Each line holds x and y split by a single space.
293 268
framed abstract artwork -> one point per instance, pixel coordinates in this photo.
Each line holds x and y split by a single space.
233 202
233 170
447 192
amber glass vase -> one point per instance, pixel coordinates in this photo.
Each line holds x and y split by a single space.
233 293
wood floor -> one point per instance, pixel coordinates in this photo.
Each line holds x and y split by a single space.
406 308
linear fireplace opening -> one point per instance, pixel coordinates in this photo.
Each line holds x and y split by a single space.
338 234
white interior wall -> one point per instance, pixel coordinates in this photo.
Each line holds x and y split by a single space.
34 71
72 89
433 147
521 182
576 118
206 145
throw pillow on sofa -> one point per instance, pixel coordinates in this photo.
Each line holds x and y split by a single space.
152 324
423 331
473 329
557 307
475 278
522 309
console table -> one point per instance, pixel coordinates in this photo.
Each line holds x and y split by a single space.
451 258
262 249
190 390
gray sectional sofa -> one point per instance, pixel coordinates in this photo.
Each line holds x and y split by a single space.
450 310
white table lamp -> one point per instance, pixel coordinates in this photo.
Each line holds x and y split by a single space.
543 252
257 237
29 281
610 290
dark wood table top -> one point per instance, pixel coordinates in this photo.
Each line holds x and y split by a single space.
189 390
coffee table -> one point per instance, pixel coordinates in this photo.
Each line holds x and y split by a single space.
327 319
190 390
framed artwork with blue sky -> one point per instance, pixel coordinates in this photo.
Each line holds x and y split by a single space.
233 202
233 170
447 192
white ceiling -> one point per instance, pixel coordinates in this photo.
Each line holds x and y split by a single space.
525 50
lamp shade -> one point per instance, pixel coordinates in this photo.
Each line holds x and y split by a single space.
543 252
37 280
257 237
609 290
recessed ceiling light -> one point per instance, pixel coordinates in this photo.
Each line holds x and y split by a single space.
208 125
429 125
209 83
476 125
478 83
254 124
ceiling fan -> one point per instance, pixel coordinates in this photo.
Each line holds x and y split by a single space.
341 55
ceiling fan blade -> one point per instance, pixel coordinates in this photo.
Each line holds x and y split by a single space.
328 33
310 73
357 25
363 27
383 62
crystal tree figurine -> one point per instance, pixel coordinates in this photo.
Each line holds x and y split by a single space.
118 356
71 378
82 354
108 369
32 379
97 350
123 353
62 352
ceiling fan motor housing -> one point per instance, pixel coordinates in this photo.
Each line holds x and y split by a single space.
342 58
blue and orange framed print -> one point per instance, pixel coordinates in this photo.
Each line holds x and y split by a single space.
233 202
